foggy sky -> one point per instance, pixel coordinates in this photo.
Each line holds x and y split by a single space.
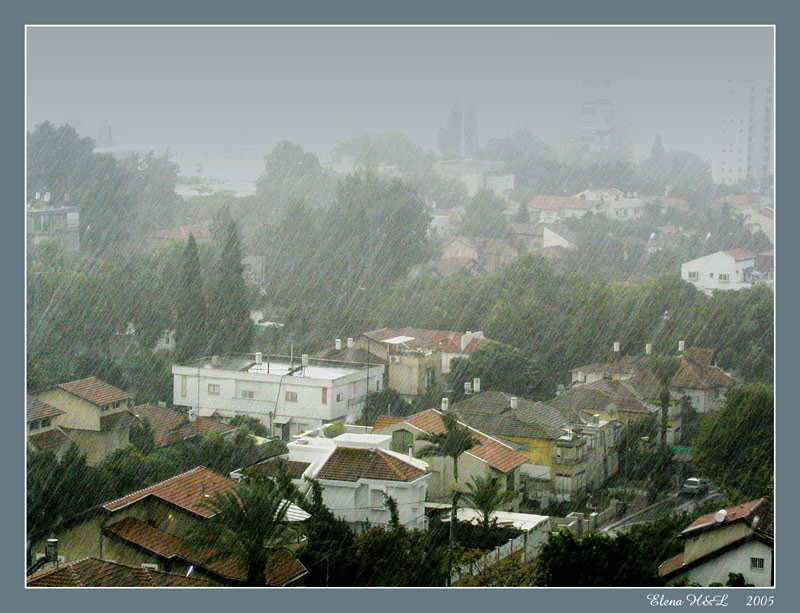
195 89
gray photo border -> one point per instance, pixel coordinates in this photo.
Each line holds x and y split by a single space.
355 12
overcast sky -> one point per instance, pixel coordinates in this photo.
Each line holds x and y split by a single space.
197 89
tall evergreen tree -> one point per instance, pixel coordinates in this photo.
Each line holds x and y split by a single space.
449 141
229 315
191 332
470 133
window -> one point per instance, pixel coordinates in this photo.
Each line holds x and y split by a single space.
183 386
693 274
291 397
711 275
213 389
248 394
338 397
510 482
45 422
33 425
724 277
324 395
150 566
756 563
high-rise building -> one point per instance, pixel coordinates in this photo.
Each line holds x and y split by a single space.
746 152
599 127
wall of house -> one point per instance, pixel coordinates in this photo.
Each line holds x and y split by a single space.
407 373
79 413
343 397
97 446
709 268
736 561
459 249
712 540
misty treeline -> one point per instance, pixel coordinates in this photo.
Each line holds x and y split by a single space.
118 198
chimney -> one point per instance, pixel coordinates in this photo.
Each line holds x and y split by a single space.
259 357
467 388
681 346
214 360
476 385
203 494
304 360
445 404
514 402
38 195
616 346
47 196
411 451
596 418
51 551
350 343
648 349
338 344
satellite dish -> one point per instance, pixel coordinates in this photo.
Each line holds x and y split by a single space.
720 516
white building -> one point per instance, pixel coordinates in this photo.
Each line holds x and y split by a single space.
613 203
746 150
478 175
724 270
357 472
288 397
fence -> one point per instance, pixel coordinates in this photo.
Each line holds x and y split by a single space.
527 544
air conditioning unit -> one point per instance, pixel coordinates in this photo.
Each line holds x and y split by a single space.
395 359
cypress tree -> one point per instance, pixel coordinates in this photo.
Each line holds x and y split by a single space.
230 315
191 331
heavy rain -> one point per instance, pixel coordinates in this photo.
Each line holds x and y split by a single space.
395 307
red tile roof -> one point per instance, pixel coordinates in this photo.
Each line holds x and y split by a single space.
184 491
48 441
740 254
671 565
170 426
282 567
200 230
701 355
95 391
555 203
743 511
36 409
496 454
354 463
273 466
384 421
694 374
93 572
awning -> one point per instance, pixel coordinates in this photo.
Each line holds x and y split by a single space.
281 419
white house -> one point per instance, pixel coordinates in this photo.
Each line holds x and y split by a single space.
734 540
357 473
613 203
288 396
725 270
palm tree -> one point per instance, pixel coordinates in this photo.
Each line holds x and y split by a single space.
486 497
247 526
455 440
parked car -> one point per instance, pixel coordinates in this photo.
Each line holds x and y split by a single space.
695 486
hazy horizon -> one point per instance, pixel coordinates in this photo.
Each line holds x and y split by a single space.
197 90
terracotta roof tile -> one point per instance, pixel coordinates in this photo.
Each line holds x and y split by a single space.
170 426
354 463
282 568
93 572
272 467
671 565
184 491
384 420
95 391
36 409
498 455
740 254
742 511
